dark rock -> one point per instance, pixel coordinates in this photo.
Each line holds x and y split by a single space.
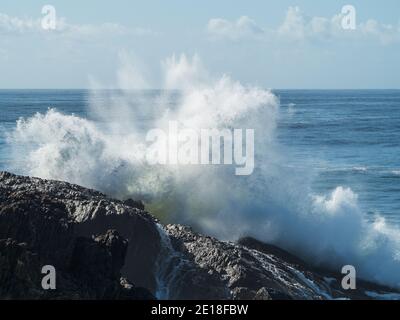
66 226
241 293
262 294
251 269
105 248
19 271
97 262
130 292
270 249
138 204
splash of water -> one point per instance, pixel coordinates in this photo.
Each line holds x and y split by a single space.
274 204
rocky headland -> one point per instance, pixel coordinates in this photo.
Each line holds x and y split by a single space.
104 248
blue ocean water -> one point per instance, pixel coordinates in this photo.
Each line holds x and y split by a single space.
351 137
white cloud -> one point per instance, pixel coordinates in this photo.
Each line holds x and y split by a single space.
385 33
101 29
243 27
10 24
299 27
16 25
294 24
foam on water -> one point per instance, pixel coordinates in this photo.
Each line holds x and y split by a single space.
275 203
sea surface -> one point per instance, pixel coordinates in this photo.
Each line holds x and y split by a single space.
351 137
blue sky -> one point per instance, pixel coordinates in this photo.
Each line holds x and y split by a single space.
275 44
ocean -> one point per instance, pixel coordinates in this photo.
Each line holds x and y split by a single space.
350 137
326 179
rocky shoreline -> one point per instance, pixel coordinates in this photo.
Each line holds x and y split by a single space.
103 248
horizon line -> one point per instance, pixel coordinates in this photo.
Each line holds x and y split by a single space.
160 89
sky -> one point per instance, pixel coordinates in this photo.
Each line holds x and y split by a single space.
274 44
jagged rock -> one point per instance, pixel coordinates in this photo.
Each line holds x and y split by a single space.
16 277
104 248
251 269
130 292
262 294
97 262
134 203
57 220
241 293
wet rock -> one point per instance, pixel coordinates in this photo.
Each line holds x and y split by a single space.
251 269
69 227
104 248
134 203
96 263
17 281
262 294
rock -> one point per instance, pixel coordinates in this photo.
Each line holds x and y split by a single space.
130 292
270 249
241 293
67 226
97 262
251 269
134 203
262 294
240 272
17 281
104 248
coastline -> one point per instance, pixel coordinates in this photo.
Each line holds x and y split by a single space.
104 248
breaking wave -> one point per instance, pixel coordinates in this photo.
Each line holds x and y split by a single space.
274 204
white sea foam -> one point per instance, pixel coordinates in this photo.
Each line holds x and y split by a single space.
291 109
274 204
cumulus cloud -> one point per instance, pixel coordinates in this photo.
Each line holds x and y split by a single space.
10 25
242 27
385 33
296 25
